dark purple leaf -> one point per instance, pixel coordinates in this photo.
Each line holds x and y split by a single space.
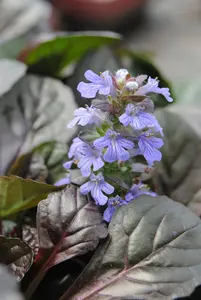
67 220
68 226
154 252
16 254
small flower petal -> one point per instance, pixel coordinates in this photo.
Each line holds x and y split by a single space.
97 163
87 187
98 195
137 190
101 143
93 77
64 181
113 203
67 165
107 188
108 213
102 84
88 90
149 146
85 166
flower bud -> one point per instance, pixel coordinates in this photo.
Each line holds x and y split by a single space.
132 85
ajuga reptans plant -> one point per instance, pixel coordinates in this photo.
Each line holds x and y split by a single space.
121 113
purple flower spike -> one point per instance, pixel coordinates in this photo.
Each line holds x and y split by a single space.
84 116
63 181
90 158
113 203
148 145
102 84
137 190
97 185
117 146
152 87
137 118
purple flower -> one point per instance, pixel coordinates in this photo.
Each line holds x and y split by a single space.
113 203
76 147
97 185
91 157
148 145
117 146
137 190
63 181
152 87
84 116
102 84
137 118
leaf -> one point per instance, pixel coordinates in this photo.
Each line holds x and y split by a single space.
10 72
178 174
10 49
16 254
17 194
53 52
30 166
189 93
34 112
54 155
154 252
44 163
141 63
68 226
8 286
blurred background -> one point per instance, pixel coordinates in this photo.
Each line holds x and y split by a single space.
170 30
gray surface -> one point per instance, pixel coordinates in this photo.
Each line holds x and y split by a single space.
173 33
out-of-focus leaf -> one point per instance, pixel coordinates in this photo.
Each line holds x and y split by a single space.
17 194
8 286
154 252
11 49
11 71
44 163
68 226
30 166
34 112
51 53
54 155
178 174
141 63
16 254
189 92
